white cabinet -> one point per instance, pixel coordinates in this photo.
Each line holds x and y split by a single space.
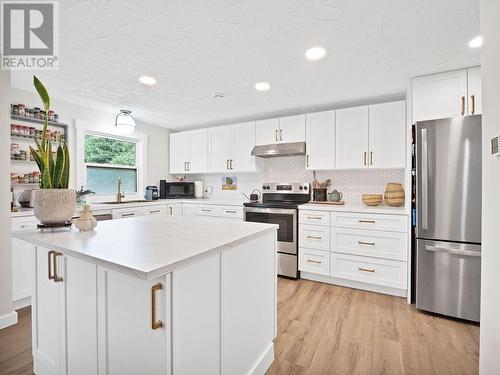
189 152
219 212
267 131
281 130
474 90
387 135
174 209
188 209
121 213
230 148
314 261
320 140
292 129
448 94
351 143
156 210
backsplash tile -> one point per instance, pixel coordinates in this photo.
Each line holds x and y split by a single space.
352 183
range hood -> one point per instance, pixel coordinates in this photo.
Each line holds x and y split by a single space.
280 149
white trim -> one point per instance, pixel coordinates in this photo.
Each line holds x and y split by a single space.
264 361
109 131
23 302
8 320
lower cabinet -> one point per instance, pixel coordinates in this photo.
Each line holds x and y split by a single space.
219 212
314 261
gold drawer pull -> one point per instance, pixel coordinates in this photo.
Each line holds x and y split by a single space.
170 209
230 212
56 278
473 98
205 210
366 269
315 237
462 99
366 243
127 215
49 262
367 221
314 261
155 324
154 211
314 217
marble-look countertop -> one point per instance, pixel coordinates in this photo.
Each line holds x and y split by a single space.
381 209
148 246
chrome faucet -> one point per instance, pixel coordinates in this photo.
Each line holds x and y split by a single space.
119 194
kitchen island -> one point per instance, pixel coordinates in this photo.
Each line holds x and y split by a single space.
154 295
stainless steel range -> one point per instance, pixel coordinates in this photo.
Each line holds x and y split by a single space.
279 206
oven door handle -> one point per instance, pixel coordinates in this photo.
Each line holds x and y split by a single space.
284 211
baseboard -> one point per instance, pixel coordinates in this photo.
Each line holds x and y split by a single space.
354 284
23 302
264 361
8 320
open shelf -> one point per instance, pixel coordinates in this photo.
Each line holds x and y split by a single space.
37 121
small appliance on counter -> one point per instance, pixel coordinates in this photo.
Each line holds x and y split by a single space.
26 198
151 193
176 190
199 191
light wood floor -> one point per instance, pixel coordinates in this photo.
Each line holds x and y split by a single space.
324 329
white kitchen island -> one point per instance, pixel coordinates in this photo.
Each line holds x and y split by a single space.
154 295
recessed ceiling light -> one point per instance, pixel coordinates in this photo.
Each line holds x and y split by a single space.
476 42
147 80
315 53
262 86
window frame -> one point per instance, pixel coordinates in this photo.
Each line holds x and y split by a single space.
141 146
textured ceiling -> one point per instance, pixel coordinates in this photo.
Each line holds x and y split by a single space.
197 48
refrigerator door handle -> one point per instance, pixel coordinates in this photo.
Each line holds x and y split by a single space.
425 182
438 249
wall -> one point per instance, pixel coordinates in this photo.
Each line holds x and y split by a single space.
158 137
490 277
352 183
7 315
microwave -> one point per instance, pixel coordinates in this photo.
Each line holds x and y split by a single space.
176 190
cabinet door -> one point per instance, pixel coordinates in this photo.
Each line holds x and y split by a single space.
351 138
174 209
46 317
474 90
22 255
267 131
156 210
179 152
387 135
320 140
188 210
292 129
244 142
198 151
439 95
127 212
132 345
220 148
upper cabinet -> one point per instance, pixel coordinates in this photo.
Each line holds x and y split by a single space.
188 151
449 94
387 135
230 148
351 137
281 130
320 140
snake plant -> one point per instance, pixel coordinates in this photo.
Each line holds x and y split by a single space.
54 171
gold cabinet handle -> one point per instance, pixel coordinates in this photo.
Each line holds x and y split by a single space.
307 161
367 221
127 215
314 261
462 99
364 158
473 99
170 209
281 135
366 243
371 157
205 210
49 261
231 163
155 324
154 211
185 166
230 212
366 269
314 237
54 267
276 135
227 164
314 217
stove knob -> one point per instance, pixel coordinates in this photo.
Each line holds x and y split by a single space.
267 187
305 187
264 187
300 188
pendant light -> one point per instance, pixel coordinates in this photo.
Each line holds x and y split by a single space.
124 121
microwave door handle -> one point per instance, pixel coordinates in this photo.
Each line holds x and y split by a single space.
425 181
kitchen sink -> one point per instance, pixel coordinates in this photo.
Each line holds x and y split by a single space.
123 202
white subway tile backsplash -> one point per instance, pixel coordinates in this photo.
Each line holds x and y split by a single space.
352 183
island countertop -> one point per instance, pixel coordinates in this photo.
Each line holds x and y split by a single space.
148 246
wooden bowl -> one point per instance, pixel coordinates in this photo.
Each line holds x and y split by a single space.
371 199
394 195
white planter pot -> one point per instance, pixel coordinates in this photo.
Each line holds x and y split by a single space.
54 206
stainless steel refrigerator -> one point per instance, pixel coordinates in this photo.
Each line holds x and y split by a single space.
448 187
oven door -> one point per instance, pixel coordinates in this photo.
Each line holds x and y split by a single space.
285 218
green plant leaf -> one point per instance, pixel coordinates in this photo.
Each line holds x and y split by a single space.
38 159
42 92
65 171
58 168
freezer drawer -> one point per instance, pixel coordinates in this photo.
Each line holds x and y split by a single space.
449 278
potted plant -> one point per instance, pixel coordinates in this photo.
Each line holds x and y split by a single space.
54 203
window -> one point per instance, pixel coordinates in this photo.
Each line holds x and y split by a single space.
107 159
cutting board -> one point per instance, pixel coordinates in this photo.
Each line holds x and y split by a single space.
339 203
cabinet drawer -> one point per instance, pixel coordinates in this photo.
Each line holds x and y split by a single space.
124 213
314 261
388 245
206 210
156 210
314 237
314 217
24 223
230 212
393 223
384 272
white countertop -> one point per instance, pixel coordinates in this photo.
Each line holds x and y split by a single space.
381 209
148 246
